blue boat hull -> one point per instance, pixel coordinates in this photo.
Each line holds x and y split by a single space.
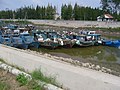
21 46
34 44
112 43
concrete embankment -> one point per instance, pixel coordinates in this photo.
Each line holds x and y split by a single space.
73 77
77 24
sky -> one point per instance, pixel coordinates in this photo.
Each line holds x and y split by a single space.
14 4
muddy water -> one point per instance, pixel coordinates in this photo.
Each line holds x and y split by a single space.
94 53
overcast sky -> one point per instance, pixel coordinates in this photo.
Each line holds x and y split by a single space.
13 4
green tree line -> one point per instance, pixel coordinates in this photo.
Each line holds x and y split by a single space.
29 12
112 6
68 12
79 12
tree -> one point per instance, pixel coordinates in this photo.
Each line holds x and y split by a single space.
111 6
69 12
76 12
64 11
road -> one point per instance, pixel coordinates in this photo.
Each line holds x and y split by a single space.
76 78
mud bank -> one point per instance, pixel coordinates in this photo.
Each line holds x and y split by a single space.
112 68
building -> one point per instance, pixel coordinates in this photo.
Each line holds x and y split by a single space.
105 17
57 16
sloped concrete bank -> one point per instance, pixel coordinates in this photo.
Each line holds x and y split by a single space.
16 72
76 24
72 76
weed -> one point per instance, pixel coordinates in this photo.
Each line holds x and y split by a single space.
22 79
1 60
38 75
35 86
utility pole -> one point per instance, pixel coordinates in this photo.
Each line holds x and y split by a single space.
13 17
25 17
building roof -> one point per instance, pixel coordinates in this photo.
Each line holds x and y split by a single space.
108 16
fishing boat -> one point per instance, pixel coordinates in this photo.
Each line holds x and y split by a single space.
48 39
112 43
67 43
84 41
96 38
6 40
12 26
17 42
47 42
28 40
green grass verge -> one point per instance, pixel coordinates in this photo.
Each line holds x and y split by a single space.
38 75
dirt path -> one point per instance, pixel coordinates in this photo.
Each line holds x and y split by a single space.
75 78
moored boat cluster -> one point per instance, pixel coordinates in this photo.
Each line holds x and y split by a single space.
27 36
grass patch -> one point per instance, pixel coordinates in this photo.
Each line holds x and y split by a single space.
38 75
4 86
22 79
33 85
1 60
111 58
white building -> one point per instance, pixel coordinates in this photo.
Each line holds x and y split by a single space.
57 16
105 17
